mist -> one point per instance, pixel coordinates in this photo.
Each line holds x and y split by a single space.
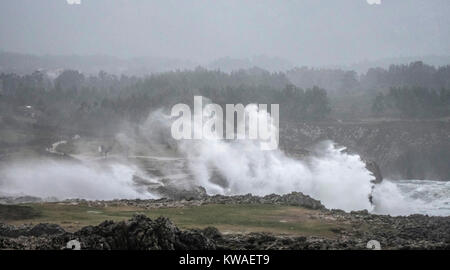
57 180
306 32
338 179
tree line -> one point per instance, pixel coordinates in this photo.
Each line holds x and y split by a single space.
75 100
87 101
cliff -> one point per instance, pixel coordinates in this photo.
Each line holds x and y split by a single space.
402 149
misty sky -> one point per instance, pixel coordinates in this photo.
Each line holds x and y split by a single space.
301 31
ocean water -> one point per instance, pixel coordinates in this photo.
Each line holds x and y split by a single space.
404 197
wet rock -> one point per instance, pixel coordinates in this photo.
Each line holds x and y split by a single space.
375 170
405 149
177 193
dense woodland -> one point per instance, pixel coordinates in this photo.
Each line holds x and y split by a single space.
81 101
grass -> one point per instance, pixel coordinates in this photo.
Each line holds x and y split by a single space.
227 218
17 212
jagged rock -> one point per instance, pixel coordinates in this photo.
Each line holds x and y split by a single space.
194 239
140 232
375 171
291 199
176 193
373 167
361 213
45 229
36 231
299 199
212 233
11 231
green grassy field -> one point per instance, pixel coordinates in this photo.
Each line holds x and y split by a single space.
227 218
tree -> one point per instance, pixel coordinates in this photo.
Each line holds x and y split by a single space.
379 106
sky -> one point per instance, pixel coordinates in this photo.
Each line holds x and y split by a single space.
301 31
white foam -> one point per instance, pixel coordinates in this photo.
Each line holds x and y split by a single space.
63 180
405 197
338 179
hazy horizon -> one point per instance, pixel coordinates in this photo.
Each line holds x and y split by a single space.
303 32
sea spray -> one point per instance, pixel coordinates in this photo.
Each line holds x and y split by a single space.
330 174
338 179
67 179
406 197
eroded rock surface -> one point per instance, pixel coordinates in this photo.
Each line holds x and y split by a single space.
142 233
291 199
138 233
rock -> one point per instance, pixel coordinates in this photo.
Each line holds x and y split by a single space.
360 213
374 169
142 233
299 199
405 149
11 231
194 239
291 199
36 231
212 233
176 193
45 229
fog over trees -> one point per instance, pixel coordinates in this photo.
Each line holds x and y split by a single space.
83 101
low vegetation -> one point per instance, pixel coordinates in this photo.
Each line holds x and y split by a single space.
227 218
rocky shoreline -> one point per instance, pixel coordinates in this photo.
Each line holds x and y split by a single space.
143 233
403 149
291 199
197 199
